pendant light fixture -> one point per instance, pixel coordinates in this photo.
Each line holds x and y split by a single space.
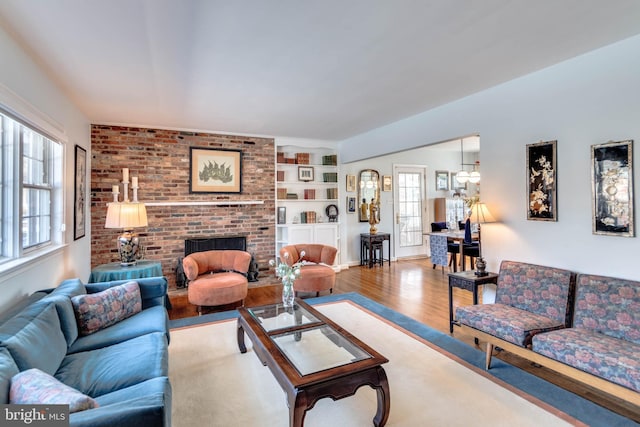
463 176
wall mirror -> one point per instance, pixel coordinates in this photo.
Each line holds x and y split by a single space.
368 189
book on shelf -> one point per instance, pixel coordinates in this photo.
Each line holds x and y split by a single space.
302 158
332 193
280 176
307 217
292 196
330 160
282 193
330 176
310 194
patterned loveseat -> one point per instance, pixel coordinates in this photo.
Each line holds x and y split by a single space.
605 337
595 340
530 299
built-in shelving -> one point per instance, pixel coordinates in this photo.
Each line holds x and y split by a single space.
294 229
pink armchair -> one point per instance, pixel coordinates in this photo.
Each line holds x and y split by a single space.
316 275
217 277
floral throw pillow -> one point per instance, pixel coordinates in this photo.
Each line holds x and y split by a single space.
102 309
39 388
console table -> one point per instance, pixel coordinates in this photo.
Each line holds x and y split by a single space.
115 271
367 243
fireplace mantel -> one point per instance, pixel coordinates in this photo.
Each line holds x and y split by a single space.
212 203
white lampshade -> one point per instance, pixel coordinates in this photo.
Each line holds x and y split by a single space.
474 177
480 214
126 215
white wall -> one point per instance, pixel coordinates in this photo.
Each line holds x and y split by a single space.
26 86
587 100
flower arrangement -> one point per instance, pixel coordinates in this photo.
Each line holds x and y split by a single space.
288 274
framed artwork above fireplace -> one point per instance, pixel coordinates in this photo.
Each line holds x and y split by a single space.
215 170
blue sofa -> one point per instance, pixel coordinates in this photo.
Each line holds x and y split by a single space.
123 367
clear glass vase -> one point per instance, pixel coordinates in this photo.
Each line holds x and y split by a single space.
287 295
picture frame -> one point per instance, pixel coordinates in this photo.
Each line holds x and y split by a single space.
612 188
442 181
282 215
215 170
305 173
351 183
455 184
542 184
79 193
351 204
386 183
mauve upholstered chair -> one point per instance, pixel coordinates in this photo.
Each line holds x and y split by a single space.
217 277
316 275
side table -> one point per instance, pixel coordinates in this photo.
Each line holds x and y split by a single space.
469 281
367 242
114 271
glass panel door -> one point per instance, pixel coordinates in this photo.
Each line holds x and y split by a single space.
409 194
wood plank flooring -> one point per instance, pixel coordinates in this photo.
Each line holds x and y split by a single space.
414 288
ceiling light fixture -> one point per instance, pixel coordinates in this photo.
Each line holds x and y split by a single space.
463 176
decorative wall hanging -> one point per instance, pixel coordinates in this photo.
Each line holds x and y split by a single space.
351 183
351 204
386 182
215 170
542 198
612 188
79 194
442 180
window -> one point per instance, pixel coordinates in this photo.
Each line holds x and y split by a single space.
30 190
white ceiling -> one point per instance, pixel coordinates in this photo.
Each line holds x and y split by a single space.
326 69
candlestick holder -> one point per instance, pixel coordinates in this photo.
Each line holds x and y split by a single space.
125 195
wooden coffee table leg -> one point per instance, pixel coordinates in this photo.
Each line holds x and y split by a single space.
241 346
297 408
384 399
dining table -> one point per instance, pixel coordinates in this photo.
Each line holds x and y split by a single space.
438 241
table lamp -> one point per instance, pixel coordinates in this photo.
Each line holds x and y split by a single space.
481 215
127 216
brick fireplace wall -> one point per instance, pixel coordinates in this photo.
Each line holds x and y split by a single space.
160 160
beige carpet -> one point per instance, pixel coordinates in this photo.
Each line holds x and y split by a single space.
215 385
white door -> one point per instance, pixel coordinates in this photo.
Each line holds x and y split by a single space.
409 210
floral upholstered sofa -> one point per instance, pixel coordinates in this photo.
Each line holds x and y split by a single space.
583 326
604 339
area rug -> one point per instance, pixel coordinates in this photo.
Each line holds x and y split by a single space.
434 379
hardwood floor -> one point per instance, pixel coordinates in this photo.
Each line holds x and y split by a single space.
414 288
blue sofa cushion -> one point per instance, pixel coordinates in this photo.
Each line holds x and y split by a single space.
144 404
103 309
70 288
8 369
65 314
37 342
39 388
153 319
112 368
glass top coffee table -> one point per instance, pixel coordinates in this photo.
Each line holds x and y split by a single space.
312 357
